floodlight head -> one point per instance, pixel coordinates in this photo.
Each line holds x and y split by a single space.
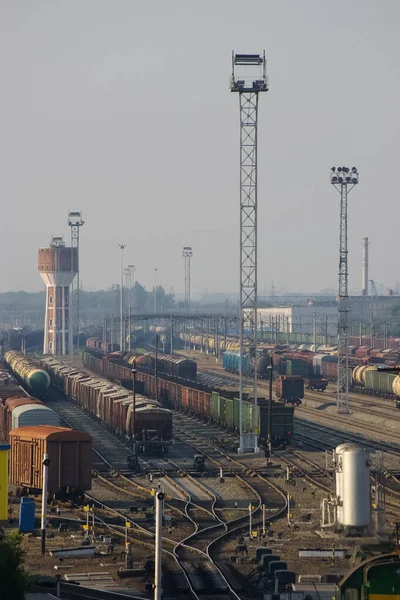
187 252
348 179
334 179
354 170
340 179
333 169
340 169
355 180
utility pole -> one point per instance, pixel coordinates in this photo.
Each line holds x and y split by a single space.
121 306
248 87
158 551
343 179
314 323
75 221
45 463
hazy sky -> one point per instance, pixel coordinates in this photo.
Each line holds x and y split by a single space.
122 109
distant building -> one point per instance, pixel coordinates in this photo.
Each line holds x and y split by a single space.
298 319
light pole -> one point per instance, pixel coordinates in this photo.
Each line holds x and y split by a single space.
248 86
121 307
158 560
131 300
343 179
45 463
187 254
155 291
270 370
134 373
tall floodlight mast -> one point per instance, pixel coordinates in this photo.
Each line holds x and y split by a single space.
75 221
344 179
249 78
187 254
121 299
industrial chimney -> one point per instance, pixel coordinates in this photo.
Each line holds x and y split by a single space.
365 268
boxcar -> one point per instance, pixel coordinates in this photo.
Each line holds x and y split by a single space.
70 454
289 389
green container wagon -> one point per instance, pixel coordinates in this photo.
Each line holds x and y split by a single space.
236 412
221 408
379 382
214 405
228 412
296 367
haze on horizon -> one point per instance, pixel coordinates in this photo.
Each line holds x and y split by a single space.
123 110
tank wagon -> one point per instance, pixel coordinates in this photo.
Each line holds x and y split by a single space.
215 406
70 454
150 425
376 577
27 372
20 412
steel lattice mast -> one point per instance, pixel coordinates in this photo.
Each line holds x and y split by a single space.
344 179
187 254
248 86
75 221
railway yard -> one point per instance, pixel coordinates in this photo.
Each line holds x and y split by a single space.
215 520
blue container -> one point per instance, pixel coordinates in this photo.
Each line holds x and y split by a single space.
27 515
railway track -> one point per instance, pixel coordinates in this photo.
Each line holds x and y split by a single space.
187 565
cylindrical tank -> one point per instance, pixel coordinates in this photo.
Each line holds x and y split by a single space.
396 386
359 373
353 486
35 379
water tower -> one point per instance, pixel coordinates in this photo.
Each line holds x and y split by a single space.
57 267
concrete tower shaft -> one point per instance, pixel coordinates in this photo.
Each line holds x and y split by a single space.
56 267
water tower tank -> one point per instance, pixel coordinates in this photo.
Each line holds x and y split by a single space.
353 486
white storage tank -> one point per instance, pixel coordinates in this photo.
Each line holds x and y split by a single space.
339 479
353 486
34 414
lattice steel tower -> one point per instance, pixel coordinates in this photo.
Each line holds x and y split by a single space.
251 80
187 254
344 179
75 221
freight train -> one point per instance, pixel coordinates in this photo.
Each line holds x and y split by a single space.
173 366
231 342
374 375
215 406
27 372
146 424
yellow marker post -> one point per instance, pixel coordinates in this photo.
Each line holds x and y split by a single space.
4 449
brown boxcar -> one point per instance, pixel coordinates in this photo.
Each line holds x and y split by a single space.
290 388
70 454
